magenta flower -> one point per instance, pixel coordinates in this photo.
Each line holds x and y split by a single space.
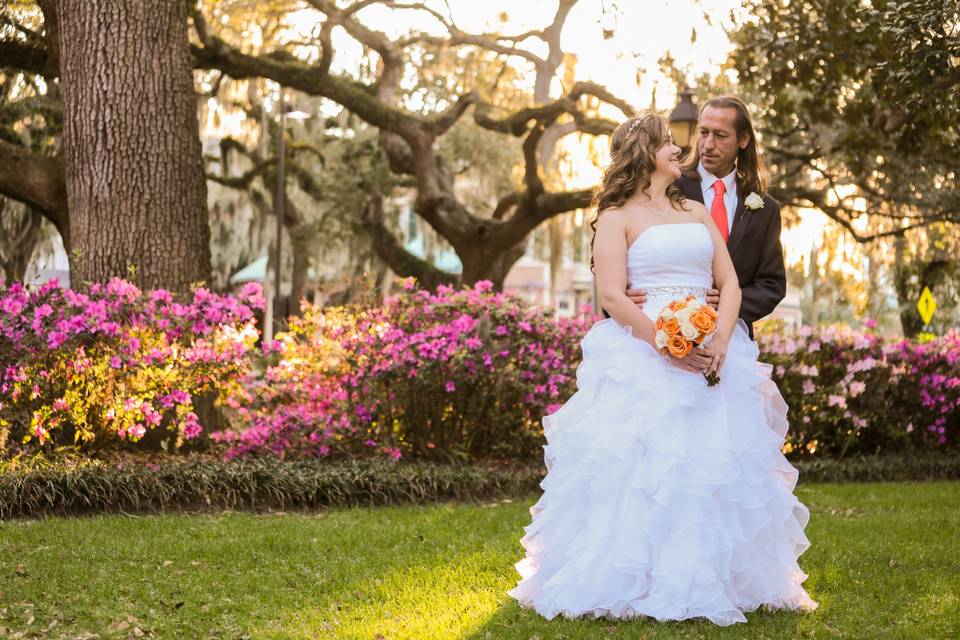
191 426
55 339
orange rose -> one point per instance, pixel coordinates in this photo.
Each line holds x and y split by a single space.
710 311
703 321
659 324
677 346
676 305
671 327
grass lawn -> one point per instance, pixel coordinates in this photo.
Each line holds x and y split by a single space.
885 563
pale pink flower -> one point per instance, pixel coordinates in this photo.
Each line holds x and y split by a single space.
837 401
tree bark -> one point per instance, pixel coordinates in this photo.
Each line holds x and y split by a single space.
815 292
21 232
37 181
135 182
298 277
910 322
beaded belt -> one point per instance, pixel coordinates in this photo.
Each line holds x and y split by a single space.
656 292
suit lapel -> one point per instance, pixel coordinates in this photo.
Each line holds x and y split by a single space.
740 222
690 188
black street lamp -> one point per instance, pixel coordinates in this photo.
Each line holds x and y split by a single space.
278 307
683 120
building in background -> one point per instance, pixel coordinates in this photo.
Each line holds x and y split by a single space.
530 279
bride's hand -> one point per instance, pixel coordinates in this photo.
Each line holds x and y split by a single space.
717 350
682 363
700 359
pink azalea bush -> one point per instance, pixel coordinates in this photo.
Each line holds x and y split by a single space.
114 363
855 392
456 374
448 375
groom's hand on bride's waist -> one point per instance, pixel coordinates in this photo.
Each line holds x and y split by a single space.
639 296
713 298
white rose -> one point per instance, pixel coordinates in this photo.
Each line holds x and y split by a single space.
667 313
683 315
661 339
753 201
688 330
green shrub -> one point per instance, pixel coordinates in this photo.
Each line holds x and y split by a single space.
191 484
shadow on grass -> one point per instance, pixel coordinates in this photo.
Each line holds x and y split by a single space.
510 621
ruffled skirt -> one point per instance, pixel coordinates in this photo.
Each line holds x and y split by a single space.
665 497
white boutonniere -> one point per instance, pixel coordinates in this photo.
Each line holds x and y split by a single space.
753 201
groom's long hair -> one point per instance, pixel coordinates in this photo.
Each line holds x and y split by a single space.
751 172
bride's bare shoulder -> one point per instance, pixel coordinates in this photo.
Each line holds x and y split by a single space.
610 233
611 219
698 210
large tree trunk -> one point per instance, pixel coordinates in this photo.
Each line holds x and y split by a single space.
136 190
484 264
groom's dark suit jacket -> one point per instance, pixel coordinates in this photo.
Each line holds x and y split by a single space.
754 246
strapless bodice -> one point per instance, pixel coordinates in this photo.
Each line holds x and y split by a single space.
669 261
671 255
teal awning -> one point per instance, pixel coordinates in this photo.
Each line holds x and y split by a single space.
256 271
447 260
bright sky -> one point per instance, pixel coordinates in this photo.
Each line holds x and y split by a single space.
644 31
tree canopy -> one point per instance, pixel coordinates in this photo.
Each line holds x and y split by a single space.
860 95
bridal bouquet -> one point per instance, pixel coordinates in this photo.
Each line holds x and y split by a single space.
683 325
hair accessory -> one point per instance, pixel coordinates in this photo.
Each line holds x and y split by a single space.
633 125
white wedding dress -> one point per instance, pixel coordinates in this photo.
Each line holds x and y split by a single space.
665 497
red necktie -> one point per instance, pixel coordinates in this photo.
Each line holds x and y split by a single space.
718 210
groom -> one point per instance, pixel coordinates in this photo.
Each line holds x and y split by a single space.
726 174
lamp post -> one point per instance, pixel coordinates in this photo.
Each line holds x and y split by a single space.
683 120
278 205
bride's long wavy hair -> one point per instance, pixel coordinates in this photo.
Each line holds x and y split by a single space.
633 149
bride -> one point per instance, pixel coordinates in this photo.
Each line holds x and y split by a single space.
664 497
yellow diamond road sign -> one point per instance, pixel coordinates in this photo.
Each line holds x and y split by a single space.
926 305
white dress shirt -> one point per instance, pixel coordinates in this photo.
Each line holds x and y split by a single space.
729 197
